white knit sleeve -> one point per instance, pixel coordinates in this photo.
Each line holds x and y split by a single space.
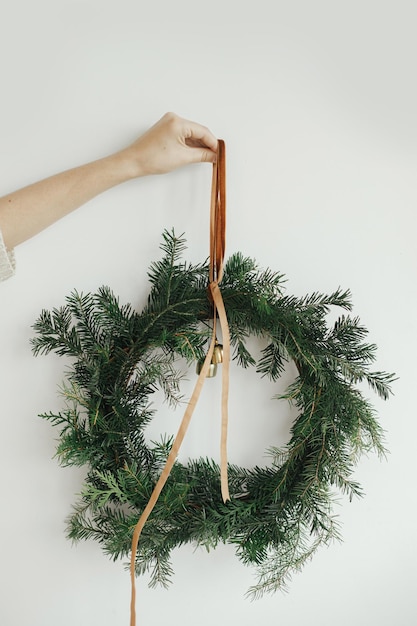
7 261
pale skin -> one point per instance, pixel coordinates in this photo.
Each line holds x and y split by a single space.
171 143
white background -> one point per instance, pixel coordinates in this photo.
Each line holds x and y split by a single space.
316 101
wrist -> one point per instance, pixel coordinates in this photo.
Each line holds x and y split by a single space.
124 167
133 162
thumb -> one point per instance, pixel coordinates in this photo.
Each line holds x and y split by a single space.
202 155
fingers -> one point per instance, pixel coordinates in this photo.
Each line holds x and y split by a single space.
198 135
200 142
171 143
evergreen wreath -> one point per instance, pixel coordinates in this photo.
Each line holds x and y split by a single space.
278 515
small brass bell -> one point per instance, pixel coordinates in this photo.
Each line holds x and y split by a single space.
216 357
212 370
217 353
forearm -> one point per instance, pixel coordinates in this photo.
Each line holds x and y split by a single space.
170 143
28 211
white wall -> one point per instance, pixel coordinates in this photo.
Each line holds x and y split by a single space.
317 102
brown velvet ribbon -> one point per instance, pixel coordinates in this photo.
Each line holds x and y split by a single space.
217 250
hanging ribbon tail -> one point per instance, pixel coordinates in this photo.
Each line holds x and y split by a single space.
165 474
219 305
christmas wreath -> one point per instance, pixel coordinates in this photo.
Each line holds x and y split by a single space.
277 515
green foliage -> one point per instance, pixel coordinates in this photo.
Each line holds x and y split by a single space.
278 515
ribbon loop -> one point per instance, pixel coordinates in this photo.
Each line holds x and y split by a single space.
218 215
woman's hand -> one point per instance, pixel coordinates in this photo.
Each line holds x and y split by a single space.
169 144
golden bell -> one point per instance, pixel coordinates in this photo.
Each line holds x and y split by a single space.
212 370
217 353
